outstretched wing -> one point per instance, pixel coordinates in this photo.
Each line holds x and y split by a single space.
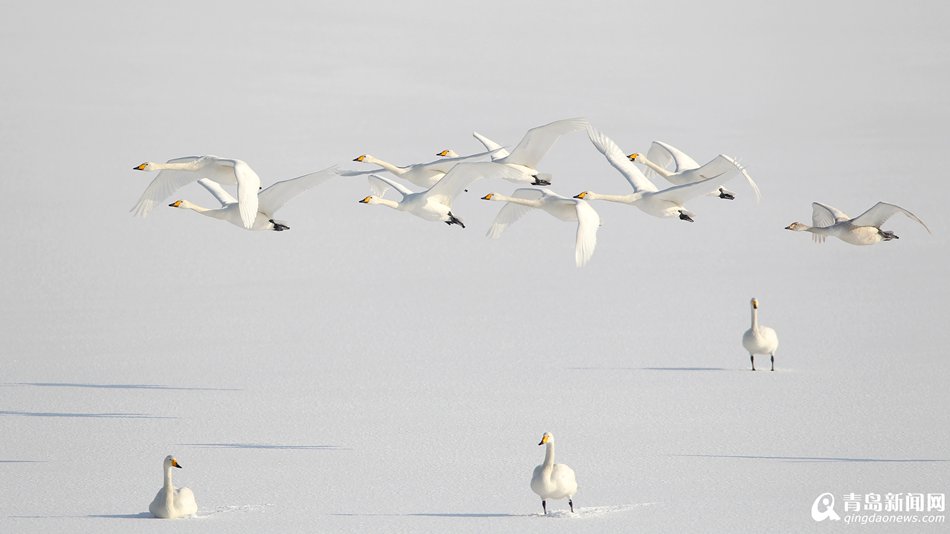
537 141
881 212
248 185
463 175
588 221
378 185
822 215
498 151
619 160
446 164
217 191
278 194
511 212
669 157
165 183
680 194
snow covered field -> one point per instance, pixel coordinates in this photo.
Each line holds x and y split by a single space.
371 372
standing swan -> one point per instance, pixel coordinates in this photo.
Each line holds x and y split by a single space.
176 173
865 229
759 339
551 480
172 503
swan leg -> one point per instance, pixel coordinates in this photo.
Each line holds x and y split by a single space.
685 217
887 235
726 194
571 503
278 227
539 181
544 506
773 362
752 357
454 220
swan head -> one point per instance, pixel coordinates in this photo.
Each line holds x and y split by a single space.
583 194
176 204
546 438
170 461
448 153
755 303
489 196
369 200
361 157
633 157
797 227
147 166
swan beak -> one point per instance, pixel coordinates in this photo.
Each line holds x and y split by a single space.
634 156
581 195
140 167
541 442
176 464
365 200
789 227
488 196
544 439
360 158
755 304
443 153
175 204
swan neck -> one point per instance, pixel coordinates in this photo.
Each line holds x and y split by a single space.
624 199
659 170
168 481
387 202
174 166
549 454
195 207
522 201
755 318
388 166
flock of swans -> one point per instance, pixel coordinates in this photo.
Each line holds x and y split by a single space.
442 180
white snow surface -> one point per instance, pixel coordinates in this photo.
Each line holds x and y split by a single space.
371 372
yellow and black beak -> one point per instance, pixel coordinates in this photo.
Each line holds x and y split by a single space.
634 156
360 158
443 153
175 204
755 304
365 200
175 463
140 167
581 195
488 196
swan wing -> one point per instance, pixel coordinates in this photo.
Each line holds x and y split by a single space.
498 151
380 184
248 185
185 501
464 174
668 156
619 160
588 221
167 182
217 191
538 140
565 479
682 193
823 216
444 165
881 212
278 194
511 212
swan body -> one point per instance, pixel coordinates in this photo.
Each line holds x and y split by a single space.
865 229
646 196
551 480
497 151
269 200
435 203
685 170
525 157
180 171
759 339
566 209
172 502
421 174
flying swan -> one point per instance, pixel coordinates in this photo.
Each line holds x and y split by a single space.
269 200
668 202
865 229
421 174
171 502
567 209
525 157
435 203
759 339
180 171
551 480
685 170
